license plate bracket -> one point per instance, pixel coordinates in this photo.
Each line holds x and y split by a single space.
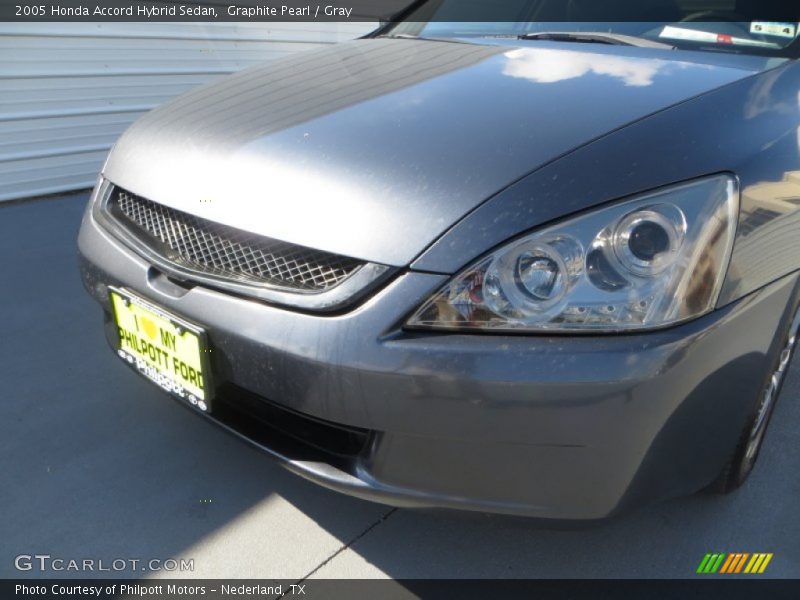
166 349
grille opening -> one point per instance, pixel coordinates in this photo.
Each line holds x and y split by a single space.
299 436
227 252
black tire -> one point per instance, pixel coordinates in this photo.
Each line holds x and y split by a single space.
744 458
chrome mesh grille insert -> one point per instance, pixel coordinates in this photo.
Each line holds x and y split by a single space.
227 252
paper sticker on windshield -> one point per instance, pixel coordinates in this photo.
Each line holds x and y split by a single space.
787 30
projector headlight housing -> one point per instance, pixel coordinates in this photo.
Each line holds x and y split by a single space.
647 262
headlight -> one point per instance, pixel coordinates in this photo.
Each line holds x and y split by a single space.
651 261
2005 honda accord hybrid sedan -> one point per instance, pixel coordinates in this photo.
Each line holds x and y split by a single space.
548 267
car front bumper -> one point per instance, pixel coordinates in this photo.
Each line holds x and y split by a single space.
557 427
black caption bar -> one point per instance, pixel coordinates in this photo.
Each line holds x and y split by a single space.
388 589
787 11
201 10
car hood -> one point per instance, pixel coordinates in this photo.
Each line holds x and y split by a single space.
374 148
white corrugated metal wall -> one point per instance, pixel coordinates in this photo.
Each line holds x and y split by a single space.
68 90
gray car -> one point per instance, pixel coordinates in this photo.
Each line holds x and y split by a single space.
535 267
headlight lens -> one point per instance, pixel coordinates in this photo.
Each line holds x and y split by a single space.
648 262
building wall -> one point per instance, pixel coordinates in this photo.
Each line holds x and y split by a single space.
68 90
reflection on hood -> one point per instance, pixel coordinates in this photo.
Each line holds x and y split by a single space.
549 66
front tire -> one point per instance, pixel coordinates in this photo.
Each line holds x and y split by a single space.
744 457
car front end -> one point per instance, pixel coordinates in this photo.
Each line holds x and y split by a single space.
461 274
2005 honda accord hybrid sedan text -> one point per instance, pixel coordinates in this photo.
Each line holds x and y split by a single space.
548 267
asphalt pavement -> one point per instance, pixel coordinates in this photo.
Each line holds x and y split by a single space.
98 464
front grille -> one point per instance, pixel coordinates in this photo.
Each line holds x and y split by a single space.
227 252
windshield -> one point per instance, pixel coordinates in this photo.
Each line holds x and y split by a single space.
769 27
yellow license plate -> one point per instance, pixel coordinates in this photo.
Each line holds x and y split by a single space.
164 348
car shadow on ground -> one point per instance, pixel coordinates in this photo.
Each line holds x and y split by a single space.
100 465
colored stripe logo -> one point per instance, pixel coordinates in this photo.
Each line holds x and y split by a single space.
734 562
